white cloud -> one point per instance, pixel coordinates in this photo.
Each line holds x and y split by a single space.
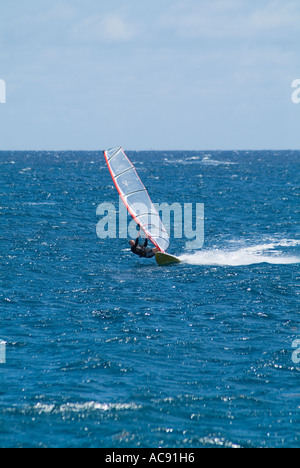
276 15
57 12
231 18
104 28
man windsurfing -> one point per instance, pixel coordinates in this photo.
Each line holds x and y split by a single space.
142 250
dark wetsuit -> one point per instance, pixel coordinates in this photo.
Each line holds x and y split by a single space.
142 250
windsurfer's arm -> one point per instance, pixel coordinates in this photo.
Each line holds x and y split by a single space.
137 239
146 242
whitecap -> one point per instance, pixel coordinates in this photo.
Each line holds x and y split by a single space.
255 254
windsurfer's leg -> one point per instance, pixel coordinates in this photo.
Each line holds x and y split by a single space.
150 254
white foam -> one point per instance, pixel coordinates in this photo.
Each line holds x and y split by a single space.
82 407
206 161
256 254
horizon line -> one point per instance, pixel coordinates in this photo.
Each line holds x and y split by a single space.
140 150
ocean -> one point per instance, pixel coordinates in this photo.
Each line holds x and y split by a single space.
104 349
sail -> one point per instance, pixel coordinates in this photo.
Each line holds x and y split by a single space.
136 198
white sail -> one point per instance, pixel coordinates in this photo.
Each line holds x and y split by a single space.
136 198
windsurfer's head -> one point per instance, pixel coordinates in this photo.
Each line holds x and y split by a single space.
131 243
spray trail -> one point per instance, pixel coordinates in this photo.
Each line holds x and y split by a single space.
262 253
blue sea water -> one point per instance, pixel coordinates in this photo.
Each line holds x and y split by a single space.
108 350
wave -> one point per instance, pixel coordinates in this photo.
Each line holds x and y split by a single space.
262 253
214 162
90 406
202 160
39 203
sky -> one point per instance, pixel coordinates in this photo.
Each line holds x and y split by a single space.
161 75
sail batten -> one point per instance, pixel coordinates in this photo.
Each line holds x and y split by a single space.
136 198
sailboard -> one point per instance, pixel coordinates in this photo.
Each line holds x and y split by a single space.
164 259
136 198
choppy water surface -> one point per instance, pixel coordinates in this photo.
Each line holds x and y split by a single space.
104 349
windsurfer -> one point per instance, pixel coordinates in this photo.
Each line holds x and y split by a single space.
141 250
